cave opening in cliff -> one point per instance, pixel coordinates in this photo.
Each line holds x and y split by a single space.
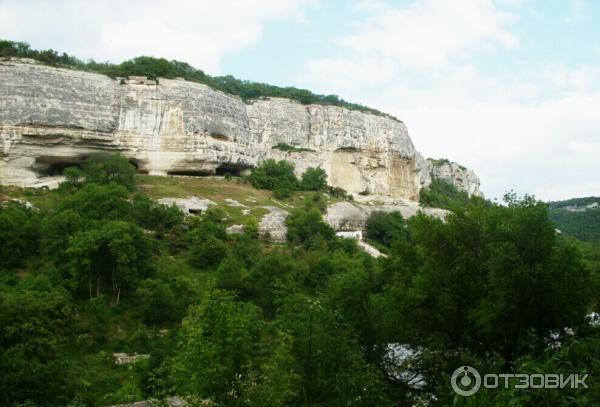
232 169
192 173
55 168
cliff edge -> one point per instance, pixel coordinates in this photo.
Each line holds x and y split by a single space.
51 118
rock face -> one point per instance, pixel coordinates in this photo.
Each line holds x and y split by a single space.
51 118
454 173
349 216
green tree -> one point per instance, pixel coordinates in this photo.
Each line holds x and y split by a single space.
307 227
105 168
219 347
385 227
153 215
483 271
19 234
207 253
276 176
34 326
314 179
113 254
157 302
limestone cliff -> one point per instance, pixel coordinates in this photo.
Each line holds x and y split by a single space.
52 117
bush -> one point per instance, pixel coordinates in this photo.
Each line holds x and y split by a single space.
385 227
314 179
281 193
208 253
107 168
441 194
157 302
307 227
102 169
274 175
152 215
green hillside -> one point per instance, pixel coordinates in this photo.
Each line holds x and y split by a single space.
579 217
97 268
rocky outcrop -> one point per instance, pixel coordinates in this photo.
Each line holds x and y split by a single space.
272 226
51 118
351 216
462 178
189 206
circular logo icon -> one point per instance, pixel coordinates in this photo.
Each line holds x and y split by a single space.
466 381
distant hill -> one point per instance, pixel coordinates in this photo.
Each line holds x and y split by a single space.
579 217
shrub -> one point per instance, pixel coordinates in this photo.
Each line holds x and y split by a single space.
152 215
385 227
208 253
307 227
441 194
271 175
314 179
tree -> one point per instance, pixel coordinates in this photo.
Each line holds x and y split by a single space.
483 271
99 202
275 176
113 254
272 279
385 227
157 302
33 327
208 253
153 215
19 234
219 348
307 227
328 357
106 168
314 179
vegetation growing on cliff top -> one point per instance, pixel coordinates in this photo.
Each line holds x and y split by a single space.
102 269
442 194
161 68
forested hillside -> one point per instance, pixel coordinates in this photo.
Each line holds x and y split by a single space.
579 217
98 267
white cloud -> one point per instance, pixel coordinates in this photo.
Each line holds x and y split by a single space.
535 131
431 33
199 32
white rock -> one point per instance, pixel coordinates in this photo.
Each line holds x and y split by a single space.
234 203
272 225
52 117
235 229
191 205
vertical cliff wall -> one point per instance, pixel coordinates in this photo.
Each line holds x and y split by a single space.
52 117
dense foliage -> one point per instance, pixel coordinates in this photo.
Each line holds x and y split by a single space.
573 217
279 177
229 318
442 194
161 68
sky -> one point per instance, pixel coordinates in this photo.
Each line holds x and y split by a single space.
509 88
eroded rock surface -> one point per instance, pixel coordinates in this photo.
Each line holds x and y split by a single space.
189 206
352 216
51 118
272 226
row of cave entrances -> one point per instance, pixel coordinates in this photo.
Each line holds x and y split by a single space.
54 167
